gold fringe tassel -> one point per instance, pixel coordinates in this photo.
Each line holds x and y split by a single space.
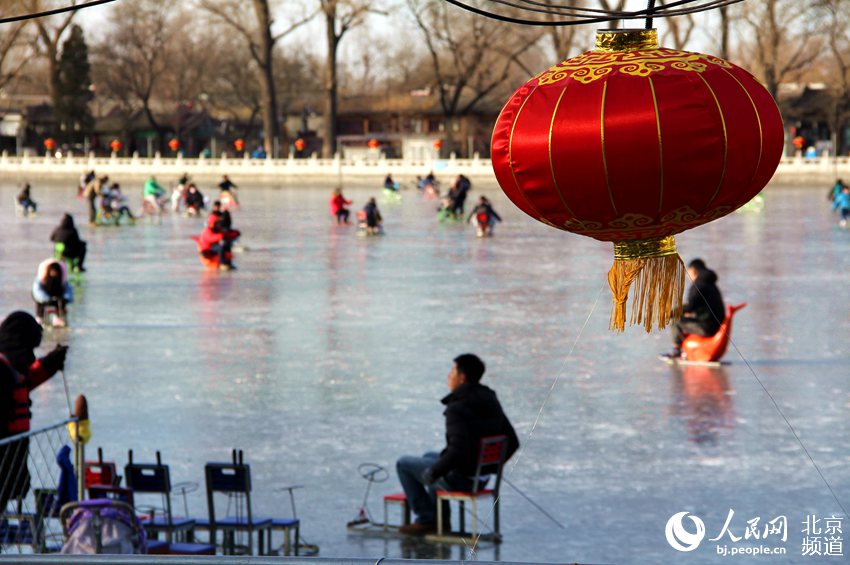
655 273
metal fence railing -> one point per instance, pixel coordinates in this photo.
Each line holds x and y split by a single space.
30 487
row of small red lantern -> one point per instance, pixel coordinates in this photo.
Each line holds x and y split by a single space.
173 144
238 144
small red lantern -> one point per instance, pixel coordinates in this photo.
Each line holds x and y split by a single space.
300 144
438 144
632 143
239 144
49 143
374 143
115 145
174 144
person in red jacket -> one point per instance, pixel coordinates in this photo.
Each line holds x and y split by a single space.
218 236
20 373
338 205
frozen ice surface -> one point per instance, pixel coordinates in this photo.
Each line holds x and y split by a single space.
325 350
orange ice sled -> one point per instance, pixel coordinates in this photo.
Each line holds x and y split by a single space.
712 348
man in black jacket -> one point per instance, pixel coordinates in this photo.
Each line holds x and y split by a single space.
472 412
704 311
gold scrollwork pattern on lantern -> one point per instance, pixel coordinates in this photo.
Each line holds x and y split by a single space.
687 216
639 226
578 226
593 65
631 221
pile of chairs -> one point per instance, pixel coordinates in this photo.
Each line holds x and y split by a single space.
155 528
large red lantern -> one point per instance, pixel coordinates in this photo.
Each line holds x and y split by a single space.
115 145
632 143
174 144
49 143
374 143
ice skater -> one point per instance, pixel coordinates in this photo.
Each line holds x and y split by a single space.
370 220
704 311
338 205
842 204
72 247
25 202
51 289
484 218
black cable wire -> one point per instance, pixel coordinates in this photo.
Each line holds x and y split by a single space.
508 19
577 15
554 9
72 8
650 9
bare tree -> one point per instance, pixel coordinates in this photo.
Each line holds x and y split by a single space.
563 38
340 17
724 32
15 44
785 41
261 42
133 57
469 56
299 82
678 29
194 57
50 32
233 91
615 5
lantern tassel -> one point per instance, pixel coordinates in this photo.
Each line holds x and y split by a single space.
656 281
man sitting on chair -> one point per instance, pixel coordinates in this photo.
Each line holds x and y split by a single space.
704 311
472 412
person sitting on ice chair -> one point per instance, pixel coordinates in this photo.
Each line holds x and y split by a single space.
704 311
472 412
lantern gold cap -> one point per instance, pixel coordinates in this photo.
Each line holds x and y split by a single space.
608 40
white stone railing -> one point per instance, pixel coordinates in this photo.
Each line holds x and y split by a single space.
169 167
791 169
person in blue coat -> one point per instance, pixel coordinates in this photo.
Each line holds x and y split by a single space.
842 204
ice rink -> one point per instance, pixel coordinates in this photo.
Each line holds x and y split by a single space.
325 350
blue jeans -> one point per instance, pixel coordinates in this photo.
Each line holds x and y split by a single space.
422 497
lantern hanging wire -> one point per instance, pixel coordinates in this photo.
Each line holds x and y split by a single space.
46 13
565 13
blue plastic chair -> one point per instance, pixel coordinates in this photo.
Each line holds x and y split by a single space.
155 478
234 480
